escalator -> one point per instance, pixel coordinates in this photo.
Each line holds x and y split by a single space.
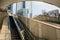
16 26
27 35
14 31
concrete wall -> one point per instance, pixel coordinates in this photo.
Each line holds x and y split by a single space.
47 18
41 29
5 3
5 31
2 16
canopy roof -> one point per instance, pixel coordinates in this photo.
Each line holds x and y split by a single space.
5 3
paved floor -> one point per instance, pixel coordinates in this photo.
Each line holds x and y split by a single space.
4 34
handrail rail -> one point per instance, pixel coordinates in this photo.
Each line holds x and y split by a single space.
26 29
21 33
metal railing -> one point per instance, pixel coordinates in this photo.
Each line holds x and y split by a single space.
27 35
21 32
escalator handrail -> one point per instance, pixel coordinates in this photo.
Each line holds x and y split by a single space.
19 30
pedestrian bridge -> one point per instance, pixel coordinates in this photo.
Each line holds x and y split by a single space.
22 28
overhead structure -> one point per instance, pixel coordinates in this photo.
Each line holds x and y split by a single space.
4 3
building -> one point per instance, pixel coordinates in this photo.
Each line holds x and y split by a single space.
53 13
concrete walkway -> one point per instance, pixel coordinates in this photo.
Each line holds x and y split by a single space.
5 33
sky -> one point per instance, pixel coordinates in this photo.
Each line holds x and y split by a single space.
37 7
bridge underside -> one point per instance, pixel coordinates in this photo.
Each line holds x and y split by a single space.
38 29
5 3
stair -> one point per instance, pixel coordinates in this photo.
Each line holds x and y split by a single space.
14 32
